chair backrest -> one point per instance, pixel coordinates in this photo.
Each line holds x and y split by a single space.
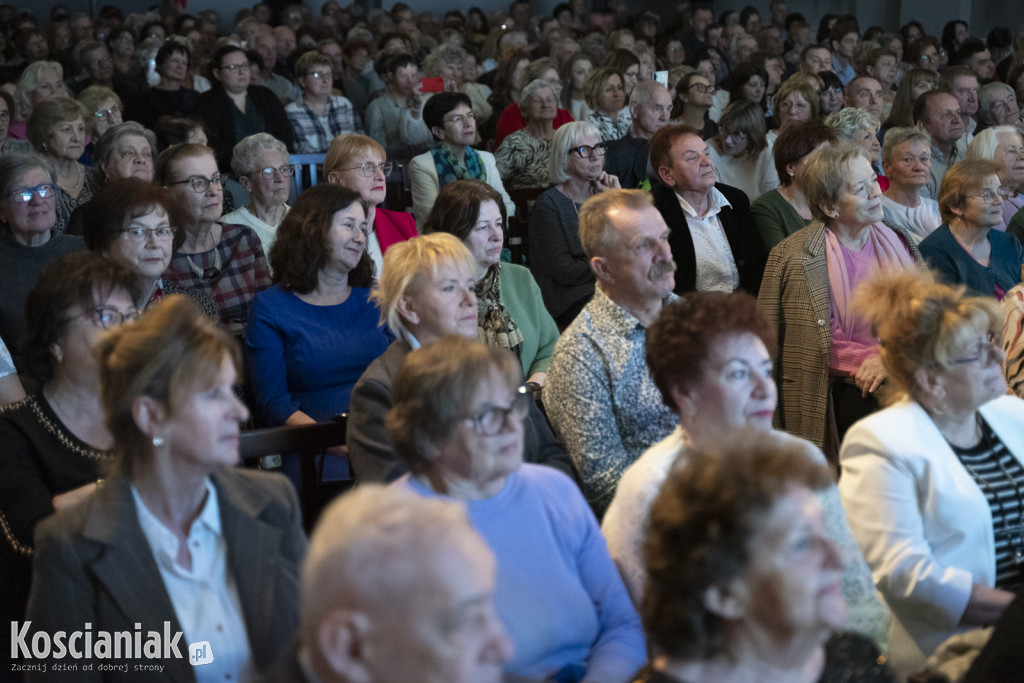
308 441
516 234
399 188
308 169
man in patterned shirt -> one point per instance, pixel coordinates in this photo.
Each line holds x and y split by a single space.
599 394
319 117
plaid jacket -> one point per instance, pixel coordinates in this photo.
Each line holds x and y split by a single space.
794 296
312 136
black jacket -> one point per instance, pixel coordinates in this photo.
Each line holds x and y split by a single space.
737 222
214 108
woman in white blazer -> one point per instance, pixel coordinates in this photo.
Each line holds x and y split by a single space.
933 486
449 115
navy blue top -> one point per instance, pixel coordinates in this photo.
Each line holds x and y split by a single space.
955 266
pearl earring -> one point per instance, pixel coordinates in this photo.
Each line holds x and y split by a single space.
158 441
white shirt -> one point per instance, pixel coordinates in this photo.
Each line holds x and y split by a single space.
205 598
716 267
919 221
266 232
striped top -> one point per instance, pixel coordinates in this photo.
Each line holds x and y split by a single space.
1000 477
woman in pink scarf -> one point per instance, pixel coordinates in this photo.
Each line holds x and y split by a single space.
828 371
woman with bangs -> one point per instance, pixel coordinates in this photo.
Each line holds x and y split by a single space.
740 151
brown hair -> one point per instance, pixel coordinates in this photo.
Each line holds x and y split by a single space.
680 340
595 82
457 208
303 244
434 389
169 353
49 114
700 531
118 202
346 146
175 153
962 178
663 140
796 142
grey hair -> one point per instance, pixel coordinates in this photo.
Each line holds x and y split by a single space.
445 53
16 164
531 89
567 137
107 143
28 82
847 122
984 144
245 153
644 91
987 95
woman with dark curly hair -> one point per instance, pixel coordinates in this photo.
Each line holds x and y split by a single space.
313 333
742 575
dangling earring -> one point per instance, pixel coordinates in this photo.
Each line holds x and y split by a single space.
158 441
58 355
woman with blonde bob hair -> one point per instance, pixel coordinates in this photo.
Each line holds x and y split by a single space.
932 484
860 128
740 151
426 291
177 538
359 163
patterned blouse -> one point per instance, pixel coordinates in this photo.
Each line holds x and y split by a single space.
610 130
66 203
522 161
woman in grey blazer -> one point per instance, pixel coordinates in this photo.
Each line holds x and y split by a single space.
176 541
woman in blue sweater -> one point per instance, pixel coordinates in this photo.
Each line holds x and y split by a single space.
457 419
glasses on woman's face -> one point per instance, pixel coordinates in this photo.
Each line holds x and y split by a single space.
703 87
288 170
23 195
992 196
736 135
369 169
142 235
586 151
109 317
199 183
985 350
494 420
108 114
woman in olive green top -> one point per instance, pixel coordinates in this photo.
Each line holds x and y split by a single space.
510 309
780 212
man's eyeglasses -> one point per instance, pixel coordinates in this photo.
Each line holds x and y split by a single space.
369 169
288 170
586 151
493 420
200 184
23 195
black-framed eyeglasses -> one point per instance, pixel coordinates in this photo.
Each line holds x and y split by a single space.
493 420
369 169
586 151
23 195
142 235
984 351
703 87
102 114
288 170
737 135
244 66
108 317
200 183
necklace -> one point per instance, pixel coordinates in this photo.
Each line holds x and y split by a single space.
1014 534
209 273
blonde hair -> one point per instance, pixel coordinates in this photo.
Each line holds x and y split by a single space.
596 227
920 322
406 266
827 174
345 147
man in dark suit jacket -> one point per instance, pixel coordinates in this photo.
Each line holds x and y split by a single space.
650 105
685 173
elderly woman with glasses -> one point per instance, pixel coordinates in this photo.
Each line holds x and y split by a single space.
56 443
103 110
556 253
312 334
740 151
457 421
932 484
137 223
30 239
965 249
1004 145
451 119
319 116
359 163
224 260
260 162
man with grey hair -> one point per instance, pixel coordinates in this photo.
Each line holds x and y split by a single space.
599 394
650 105
396 587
